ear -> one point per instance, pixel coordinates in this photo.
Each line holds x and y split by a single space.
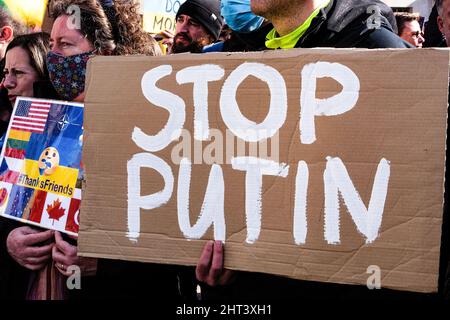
6 34
440 23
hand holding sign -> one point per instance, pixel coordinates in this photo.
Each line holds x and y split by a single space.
64 255
354 178
23 247
210 266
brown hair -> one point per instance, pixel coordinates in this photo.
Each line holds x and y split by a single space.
403 17
131 38
113 30
37 45
93 22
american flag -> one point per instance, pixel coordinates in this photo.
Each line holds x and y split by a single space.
31 116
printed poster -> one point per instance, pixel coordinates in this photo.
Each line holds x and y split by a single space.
159 15
41 170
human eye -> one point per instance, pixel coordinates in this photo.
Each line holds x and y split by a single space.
194 23
65 44
19 72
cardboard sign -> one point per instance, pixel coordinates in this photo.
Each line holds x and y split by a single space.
40 175
159 15
323 165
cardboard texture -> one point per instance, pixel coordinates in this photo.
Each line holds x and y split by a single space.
399 115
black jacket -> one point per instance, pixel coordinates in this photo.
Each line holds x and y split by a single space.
433 36
13 277
353 24
341 24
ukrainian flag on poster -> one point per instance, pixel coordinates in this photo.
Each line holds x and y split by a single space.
41 164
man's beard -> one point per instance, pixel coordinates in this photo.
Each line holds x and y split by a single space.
192 46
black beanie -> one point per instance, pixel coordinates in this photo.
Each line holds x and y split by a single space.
206 12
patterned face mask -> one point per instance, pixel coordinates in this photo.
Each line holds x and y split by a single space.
68 74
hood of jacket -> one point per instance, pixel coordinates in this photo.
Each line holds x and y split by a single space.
342 13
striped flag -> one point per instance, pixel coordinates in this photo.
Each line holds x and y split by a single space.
30 116
10 177
16 144
15 148
19 135
10 169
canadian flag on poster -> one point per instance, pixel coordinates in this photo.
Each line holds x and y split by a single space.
56 212
56 209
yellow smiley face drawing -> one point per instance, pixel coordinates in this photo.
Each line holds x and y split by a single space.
48 161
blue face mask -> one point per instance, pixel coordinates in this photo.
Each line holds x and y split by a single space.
239 17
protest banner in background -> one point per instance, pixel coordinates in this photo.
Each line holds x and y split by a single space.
320 164
40 174
159 15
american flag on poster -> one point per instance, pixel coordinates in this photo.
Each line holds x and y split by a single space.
31 116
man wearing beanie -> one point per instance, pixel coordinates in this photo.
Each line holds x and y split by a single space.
198 23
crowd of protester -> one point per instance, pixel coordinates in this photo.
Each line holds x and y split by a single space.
34 262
